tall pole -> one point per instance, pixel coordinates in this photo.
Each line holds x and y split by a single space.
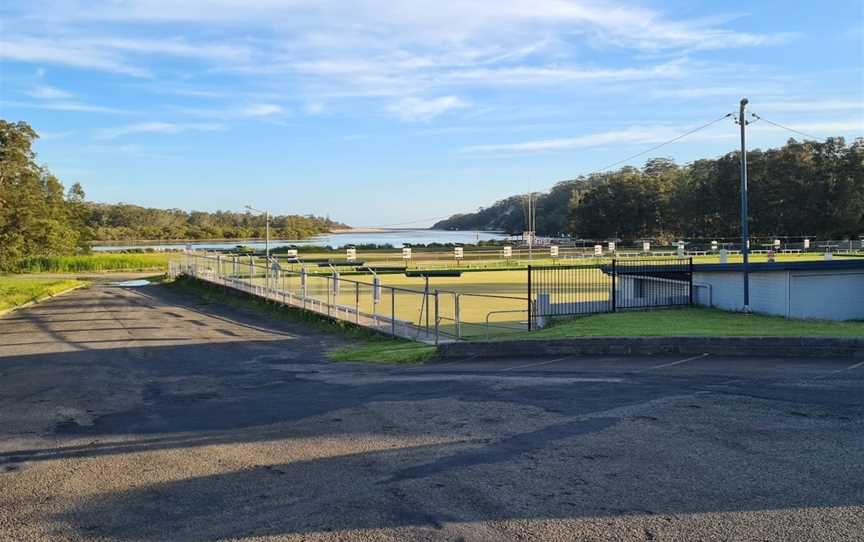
267 235
266 230
745 228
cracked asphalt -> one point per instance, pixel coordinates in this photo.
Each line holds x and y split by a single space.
144 414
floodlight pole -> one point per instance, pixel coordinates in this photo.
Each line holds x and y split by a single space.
266 229
745 228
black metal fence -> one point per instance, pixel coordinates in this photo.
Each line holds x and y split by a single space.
573 290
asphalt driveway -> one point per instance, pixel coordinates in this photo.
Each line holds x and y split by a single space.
142 414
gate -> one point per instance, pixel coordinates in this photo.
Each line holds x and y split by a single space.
576 290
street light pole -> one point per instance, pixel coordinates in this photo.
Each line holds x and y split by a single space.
745 228
266 230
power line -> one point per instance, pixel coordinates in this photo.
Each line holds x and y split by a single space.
654 148
777 124
418 220
646 151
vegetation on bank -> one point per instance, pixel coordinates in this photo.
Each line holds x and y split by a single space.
15 291
366 345
93 263
123 222
803 188
692 321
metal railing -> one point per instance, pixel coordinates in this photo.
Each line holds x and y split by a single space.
576 290
427 315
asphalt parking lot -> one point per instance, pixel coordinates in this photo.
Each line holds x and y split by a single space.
143 414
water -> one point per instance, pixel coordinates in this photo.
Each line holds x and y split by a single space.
392 237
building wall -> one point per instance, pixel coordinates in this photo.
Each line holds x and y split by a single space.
827 295
823 294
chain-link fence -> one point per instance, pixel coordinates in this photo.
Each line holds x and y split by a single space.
427 315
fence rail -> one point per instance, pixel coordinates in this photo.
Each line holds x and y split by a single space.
427 315
619 284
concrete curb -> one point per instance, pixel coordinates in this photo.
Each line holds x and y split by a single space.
845 347
4 312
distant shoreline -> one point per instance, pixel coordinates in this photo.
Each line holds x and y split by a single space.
358 230
133 243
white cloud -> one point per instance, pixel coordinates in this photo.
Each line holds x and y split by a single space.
259 111
64 105
35 50
314 108
854 128
49 93
417 109
157 128
262 110
648 135
385 40
436 21
810 106
636 134
49 136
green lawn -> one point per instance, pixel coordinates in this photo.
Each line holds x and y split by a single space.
692 321
95 263
383 350
16 291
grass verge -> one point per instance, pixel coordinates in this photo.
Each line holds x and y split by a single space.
93 263
367 346
384 350
15 291
692 321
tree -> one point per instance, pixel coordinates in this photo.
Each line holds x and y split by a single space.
35 216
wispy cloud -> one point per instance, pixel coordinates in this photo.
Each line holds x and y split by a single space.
314 108
49 93
262 110
811 106
636 134
48 51
51 136
65 105
157 128
827 129
419 109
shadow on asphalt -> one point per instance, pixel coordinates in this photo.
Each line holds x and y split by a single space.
245 401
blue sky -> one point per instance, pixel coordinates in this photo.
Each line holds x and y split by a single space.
381 113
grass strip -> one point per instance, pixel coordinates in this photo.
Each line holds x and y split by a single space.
691 321
16 291
93 263
367 345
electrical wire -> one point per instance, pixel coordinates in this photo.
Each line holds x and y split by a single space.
654 148
613 164
777 124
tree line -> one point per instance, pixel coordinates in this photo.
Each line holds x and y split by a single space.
39 217
806 188
122 221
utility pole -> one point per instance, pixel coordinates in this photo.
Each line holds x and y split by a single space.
745 228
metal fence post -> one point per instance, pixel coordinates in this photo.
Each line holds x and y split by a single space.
457 316
614 288
357 302
530 316
436 318
691 280
393 311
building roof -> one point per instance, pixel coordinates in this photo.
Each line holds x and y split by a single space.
835 265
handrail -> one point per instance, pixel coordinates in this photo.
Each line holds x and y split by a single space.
500 312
